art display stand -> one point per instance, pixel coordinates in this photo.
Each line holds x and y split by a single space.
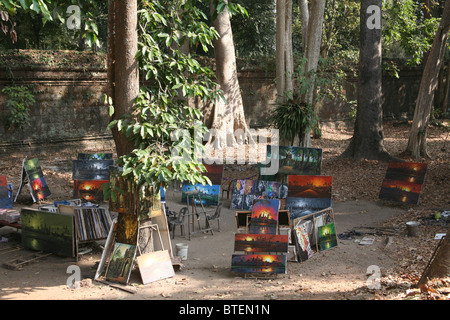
33 176
192 198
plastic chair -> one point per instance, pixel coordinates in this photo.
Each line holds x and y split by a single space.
179 221
216 215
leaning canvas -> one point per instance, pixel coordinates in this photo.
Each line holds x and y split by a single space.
327 236
403 182
154 266
121 263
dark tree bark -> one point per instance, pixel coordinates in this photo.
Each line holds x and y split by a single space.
367 142
125 71
417 142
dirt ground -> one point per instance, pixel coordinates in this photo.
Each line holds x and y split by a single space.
344 272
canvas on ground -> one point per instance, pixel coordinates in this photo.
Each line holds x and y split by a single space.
48 232
155 266
121 263
403 182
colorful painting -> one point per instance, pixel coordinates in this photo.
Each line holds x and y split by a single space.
208 194
302 241
127 228
91 169
327 236
258 263
89 190
261 242
299 207
309 186
39 189
154 266
264 219
245 192
403 182
48 232
121 263
296 160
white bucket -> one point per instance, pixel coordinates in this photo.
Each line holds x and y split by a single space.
413 228
181 250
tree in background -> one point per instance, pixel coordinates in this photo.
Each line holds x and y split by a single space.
229 116
417 142
368 139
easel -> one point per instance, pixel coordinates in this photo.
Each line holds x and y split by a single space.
193 195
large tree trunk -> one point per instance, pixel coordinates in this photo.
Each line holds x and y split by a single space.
229 115
312 54
417 142
368 139
126 71
304 17
281 48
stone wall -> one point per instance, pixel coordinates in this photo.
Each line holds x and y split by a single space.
69 106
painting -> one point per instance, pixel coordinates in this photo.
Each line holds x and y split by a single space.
327 236
33 175
258 263
48 232
91 169
309 186
296 160
302 241
264 218
403 182
121 263
245 192
154 266
299 207
208 194
149 205
127 228
261 242
89 190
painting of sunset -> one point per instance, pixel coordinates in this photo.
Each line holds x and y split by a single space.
258 263
264 217
89 190
403 182
260 242
300 186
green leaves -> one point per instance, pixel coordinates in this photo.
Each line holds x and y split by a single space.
161 110
19 100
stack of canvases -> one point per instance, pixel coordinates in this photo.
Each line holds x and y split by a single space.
122 248
90 173
265 251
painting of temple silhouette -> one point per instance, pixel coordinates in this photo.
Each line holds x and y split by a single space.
403 182
258 263
264 218
260 242
121 263
48 232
